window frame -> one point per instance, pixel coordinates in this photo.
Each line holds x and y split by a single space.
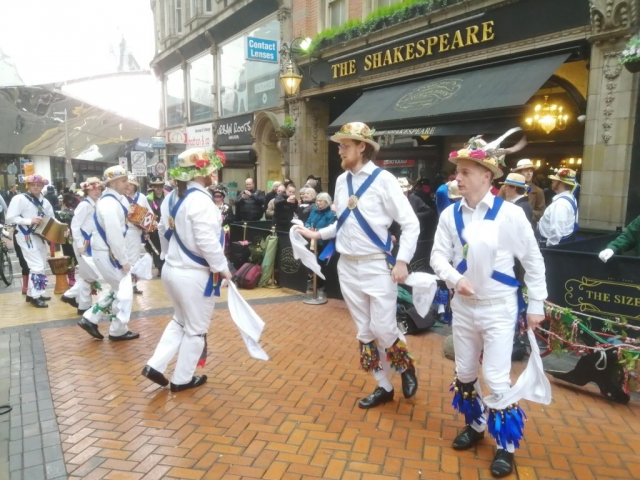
208 6
327 15
187 78
165 92
177 16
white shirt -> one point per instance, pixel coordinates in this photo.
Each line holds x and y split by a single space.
21 210
199 224
380 205
447 249
113 220
516 198
559 219
83 220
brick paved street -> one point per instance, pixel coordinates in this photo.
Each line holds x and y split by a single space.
293 417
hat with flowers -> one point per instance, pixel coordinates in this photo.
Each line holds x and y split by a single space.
356 131
133 180
489 155
197 162
565 175
91 183
36 179
115 172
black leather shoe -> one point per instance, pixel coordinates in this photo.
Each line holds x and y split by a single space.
467 438
29 299
126 336
81 312
136 291
155 376
502 464
409 382
378 397
195 382
39 302
69 301
90 328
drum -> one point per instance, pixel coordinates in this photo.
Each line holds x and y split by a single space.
60 267
52 230
142 217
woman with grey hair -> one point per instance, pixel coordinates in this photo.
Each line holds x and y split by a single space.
307 202
321 216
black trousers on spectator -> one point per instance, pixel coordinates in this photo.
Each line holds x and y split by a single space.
23 263
154 238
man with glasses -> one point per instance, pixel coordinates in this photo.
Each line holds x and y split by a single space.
368 199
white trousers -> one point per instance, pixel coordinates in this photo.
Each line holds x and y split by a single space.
185 333
36 258
488 327
112 276
371 297
82 288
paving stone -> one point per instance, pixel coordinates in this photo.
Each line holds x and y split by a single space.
52 454
30 418
15 462
31 430
32 458
55 469
48 426
32 443
50 439
33 473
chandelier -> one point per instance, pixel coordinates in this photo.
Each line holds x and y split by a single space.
547 117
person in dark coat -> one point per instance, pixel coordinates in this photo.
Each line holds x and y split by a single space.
515 188
152 239
285 207
53 198
249 203
273 193
424 213
307 201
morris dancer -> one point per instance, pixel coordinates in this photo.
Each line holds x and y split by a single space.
559 223
368 199
82 227
487 321
135 235
109 253
191 230
26 212
155 199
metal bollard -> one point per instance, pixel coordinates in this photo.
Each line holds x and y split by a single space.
315 300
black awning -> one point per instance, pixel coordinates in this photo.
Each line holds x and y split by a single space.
235 157
416 106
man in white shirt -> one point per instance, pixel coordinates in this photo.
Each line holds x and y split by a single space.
191 234
82 227
368 199
135 234
26 212
109 252
485 321
559 223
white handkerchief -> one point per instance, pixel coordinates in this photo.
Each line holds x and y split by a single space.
248 322
424 291
532 385
87 269
302 253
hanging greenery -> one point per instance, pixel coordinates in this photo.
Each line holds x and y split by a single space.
380 18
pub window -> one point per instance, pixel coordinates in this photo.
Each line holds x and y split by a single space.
382 3
337 12
167 18
193 7
207 6
178 17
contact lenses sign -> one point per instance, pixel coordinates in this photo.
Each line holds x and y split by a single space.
262 50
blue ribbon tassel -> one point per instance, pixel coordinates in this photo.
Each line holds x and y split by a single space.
470 407
507 426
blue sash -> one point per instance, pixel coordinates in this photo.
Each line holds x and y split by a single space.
576 226
500 277
85 235
352 206
103 234
26 231
213 285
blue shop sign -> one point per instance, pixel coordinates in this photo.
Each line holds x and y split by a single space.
262 50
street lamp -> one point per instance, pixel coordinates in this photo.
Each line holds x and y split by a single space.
290 80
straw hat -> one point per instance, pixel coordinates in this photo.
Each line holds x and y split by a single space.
566 175
91 183
133 180
197 162
115 172
489 155
36 179
453 192
356 131
156 181
524 164
515 180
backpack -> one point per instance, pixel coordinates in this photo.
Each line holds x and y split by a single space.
248 276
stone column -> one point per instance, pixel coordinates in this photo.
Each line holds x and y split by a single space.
611 108
308 147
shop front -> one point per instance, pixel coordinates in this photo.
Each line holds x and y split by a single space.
234 139
482 68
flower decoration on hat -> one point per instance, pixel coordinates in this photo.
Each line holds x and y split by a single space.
36 179
115 172
356 131
92 183
197 162
489 155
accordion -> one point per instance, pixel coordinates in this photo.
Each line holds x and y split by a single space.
52 230
142 218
